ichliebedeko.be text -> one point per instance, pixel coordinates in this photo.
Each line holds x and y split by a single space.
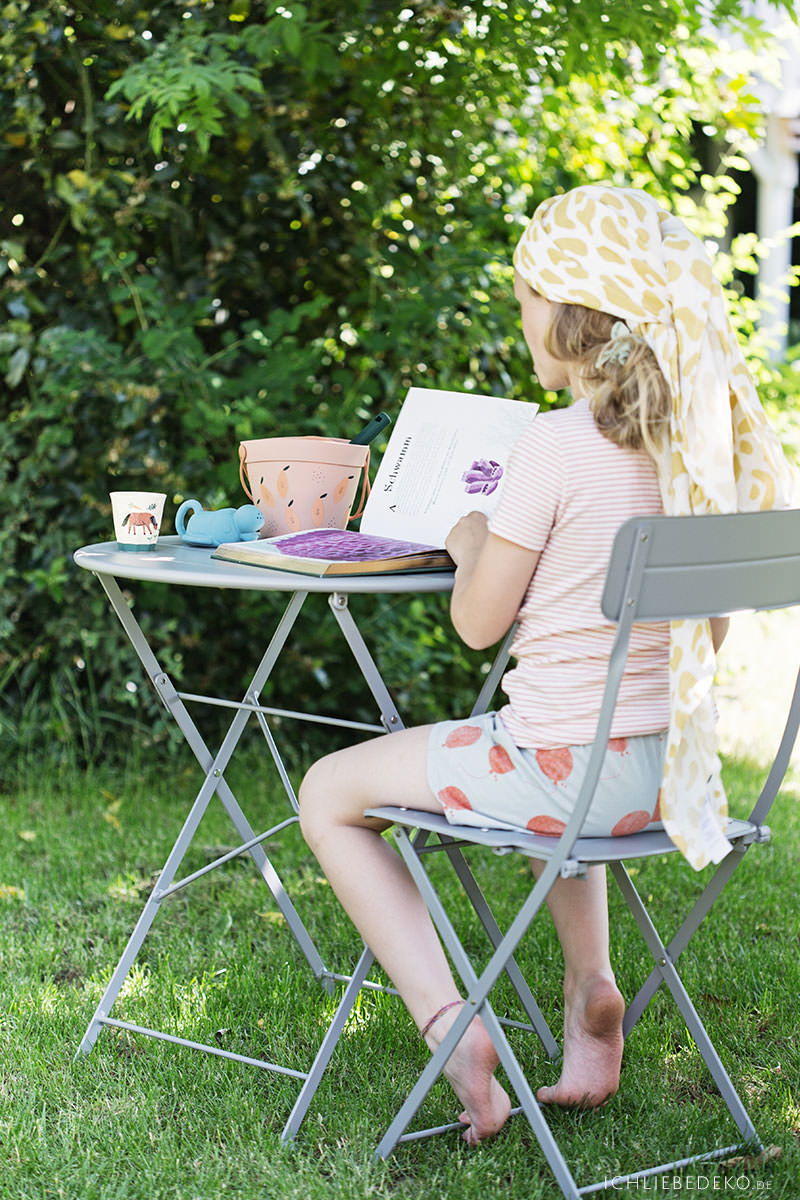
708 1185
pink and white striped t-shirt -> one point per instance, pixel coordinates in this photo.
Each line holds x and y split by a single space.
566 491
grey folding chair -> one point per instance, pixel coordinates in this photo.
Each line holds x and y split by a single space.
660 568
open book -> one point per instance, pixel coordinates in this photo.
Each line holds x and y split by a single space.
445 457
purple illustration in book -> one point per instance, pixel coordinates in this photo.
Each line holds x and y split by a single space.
483 476
345 545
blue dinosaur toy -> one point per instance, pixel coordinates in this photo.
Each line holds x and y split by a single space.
212 528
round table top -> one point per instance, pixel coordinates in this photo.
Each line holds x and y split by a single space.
172 561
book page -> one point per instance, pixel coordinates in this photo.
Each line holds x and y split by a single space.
446 456
341 545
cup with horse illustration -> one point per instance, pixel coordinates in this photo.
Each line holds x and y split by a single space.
137 518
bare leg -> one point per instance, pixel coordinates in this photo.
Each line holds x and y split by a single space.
380 897
593 1005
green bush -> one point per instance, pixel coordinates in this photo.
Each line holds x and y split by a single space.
233 220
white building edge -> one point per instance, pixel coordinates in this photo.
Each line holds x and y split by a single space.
775 166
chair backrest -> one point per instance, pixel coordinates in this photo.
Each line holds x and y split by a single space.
704 566
668 568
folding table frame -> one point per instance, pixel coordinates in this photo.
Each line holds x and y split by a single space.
175 564
661 568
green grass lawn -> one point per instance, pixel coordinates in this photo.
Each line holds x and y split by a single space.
137 1118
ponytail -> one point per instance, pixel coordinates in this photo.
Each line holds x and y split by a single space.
625 387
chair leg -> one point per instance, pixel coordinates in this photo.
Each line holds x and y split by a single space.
665 967
494 933
478 989
685 933
530 1106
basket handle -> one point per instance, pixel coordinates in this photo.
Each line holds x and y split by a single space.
364 491
243 472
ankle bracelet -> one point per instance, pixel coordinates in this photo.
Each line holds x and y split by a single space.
440 1013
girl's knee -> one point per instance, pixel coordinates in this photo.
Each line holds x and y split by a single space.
333 792
308 786
310 799
323 795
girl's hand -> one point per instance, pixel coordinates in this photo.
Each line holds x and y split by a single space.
465 540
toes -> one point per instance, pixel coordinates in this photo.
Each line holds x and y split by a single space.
470 1136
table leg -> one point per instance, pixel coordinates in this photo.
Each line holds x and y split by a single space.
390 717
214 767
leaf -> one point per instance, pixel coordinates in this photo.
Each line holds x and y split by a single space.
292 37
752 1162
17 365
272 918
79 179
119 33
155 134
9 892
65 139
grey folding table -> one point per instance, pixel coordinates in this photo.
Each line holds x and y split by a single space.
176 564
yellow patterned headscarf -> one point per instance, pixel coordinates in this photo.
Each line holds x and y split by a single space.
618 251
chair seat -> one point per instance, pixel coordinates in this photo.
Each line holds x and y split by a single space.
586 850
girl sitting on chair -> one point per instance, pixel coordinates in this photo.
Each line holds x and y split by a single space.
619 304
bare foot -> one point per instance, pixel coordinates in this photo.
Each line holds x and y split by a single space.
470 1072
592 1047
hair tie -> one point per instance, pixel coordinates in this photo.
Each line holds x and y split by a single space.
618 347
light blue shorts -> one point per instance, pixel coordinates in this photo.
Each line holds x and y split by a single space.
482 778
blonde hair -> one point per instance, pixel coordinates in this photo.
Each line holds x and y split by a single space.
630 399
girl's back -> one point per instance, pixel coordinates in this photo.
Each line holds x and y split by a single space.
566 493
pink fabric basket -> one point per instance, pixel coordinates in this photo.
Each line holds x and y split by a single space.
303 482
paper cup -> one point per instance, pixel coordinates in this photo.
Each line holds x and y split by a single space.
137 518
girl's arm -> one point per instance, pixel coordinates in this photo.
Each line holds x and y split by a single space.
492 576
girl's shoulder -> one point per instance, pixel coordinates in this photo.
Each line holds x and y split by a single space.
563 427
570 437
556 433
575 415
575 430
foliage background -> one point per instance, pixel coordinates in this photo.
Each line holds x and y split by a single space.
225 220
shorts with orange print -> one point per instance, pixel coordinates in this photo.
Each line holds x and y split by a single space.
482 778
